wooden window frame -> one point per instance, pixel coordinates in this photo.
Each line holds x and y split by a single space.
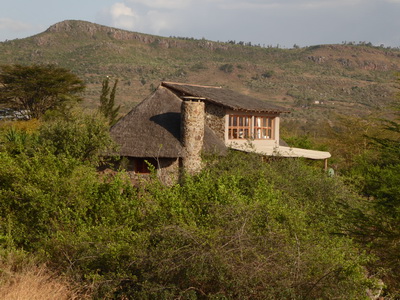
244 127
239 127
263 128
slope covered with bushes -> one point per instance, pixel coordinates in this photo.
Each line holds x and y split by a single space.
241 229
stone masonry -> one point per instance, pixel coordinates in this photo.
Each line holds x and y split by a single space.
215 119
193 120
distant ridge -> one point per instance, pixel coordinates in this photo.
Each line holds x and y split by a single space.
316 82
93 29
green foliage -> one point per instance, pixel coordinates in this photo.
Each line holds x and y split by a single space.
377 176
268 73
227 68
34 191
35 89
302 141
240 229
16 139
85 137
107 102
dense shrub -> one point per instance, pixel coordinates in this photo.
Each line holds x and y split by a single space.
85 137
240 229
376 174
226 68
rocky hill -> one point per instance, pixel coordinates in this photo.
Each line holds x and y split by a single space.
317 82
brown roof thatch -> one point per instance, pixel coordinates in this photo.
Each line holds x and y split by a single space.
223 97
152 129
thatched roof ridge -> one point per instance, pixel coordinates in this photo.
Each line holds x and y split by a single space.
223 97
153 129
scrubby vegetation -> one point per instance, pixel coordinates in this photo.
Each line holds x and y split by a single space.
241 229
23 278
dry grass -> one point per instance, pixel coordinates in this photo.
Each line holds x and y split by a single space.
27 281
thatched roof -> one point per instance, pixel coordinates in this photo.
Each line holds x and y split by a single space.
152 129
223 97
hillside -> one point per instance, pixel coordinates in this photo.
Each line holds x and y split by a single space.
316 81
70 227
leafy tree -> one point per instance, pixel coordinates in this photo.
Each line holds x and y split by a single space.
107 102
377 176
85 137
35 89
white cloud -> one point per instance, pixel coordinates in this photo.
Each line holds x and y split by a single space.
154 19
287 4
123 16
14 26
158 21
162 4
283 22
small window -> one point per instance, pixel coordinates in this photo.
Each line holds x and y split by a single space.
263 128
251 127
239 127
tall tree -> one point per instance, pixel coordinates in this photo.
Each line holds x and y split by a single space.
378 223
35 89
107 101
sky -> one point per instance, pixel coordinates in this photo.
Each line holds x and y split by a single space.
265 22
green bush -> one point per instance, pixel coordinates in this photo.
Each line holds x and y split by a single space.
376 175
85 137
268 73
240 229
227 68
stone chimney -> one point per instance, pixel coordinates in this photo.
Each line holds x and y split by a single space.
192 130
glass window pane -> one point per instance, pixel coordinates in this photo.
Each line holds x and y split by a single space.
240 126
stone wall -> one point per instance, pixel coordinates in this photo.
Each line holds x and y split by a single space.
168 170
215 119
193 121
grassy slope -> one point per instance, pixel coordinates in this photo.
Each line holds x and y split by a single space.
348 79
